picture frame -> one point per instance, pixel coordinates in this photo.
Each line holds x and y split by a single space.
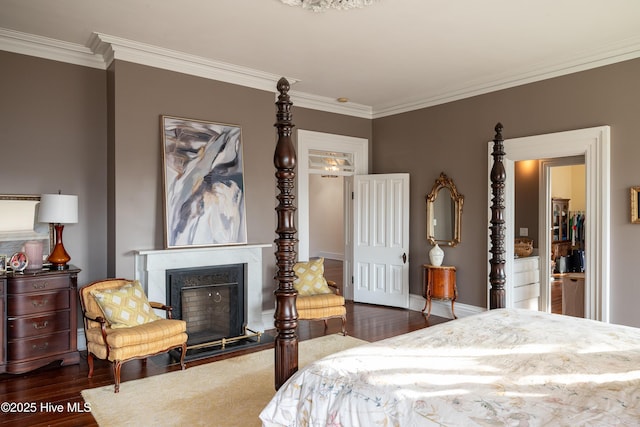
635 209
19 224
203 180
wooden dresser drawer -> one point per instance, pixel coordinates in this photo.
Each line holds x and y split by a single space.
20 285
24 327
38 347
25 304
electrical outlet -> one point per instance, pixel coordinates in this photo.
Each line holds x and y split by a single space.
524 232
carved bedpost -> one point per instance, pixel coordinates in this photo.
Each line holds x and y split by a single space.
286 316
497 276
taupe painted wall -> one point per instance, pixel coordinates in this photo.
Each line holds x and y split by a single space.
53 130
141 95
54 113
453 138
527 179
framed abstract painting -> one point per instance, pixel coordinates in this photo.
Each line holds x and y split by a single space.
203 177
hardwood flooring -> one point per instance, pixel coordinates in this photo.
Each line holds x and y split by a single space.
55 385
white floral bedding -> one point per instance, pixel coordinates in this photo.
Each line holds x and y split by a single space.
501 367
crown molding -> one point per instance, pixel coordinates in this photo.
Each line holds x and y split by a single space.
44 47
621 51
103 49
112 48
331 105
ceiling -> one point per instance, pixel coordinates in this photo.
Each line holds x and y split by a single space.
390 57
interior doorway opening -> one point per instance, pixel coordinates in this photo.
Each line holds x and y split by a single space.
594 145
555 189
352 155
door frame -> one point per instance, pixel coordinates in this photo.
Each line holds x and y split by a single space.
594 144
359 147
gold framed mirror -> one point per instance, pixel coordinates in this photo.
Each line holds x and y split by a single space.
444 212
19 224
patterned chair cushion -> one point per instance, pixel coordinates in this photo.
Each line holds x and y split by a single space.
310 280
126 306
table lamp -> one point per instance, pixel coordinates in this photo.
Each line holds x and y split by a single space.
58 209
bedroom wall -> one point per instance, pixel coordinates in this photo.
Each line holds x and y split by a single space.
527 178
141 95
96 133
326 217
56 113
453 138
53 123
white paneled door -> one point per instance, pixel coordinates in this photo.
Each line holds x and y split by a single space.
381 239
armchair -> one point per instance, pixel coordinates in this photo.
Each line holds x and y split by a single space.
120 325
318 298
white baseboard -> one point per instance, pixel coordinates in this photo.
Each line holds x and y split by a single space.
82 341
268 318
443 308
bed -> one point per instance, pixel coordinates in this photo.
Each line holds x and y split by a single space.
500 367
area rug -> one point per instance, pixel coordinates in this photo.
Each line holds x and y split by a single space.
227 393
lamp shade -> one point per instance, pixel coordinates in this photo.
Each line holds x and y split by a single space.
58 209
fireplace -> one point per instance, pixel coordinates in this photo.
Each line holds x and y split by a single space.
151 266
210 300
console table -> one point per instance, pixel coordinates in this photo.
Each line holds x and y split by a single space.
439 282
41 319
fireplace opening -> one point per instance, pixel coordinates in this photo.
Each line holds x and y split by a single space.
211 301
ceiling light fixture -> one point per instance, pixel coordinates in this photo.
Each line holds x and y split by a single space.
322 5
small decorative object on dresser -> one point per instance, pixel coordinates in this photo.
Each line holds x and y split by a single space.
439 282
523 247
18 261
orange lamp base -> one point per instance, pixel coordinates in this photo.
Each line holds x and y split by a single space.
59 257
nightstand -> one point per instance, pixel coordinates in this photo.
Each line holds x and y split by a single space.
439 282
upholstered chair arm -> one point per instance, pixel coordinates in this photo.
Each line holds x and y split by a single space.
103 325
94 317
161 306
333 286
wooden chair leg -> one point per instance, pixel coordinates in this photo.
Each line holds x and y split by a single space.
117 365
182 354
90 362
344 326
326 324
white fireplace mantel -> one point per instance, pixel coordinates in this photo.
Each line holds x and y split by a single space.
151 270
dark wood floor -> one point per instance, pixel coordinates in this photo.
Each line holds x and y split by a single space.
62 385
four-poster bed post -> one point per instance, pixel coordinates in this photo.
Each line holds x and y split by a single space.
286 315
498 178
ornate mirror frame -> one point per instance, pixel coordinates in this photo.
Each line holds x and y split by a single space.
457 199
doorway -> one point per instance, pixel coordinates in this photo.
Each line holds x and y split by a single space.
309 142
594 145
553 188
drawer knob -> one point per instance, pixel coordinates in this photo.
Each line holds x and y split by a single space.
39 285
40 325
40 303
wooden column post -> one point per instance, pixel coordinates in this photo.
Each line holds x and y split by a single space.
497 276
286 315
